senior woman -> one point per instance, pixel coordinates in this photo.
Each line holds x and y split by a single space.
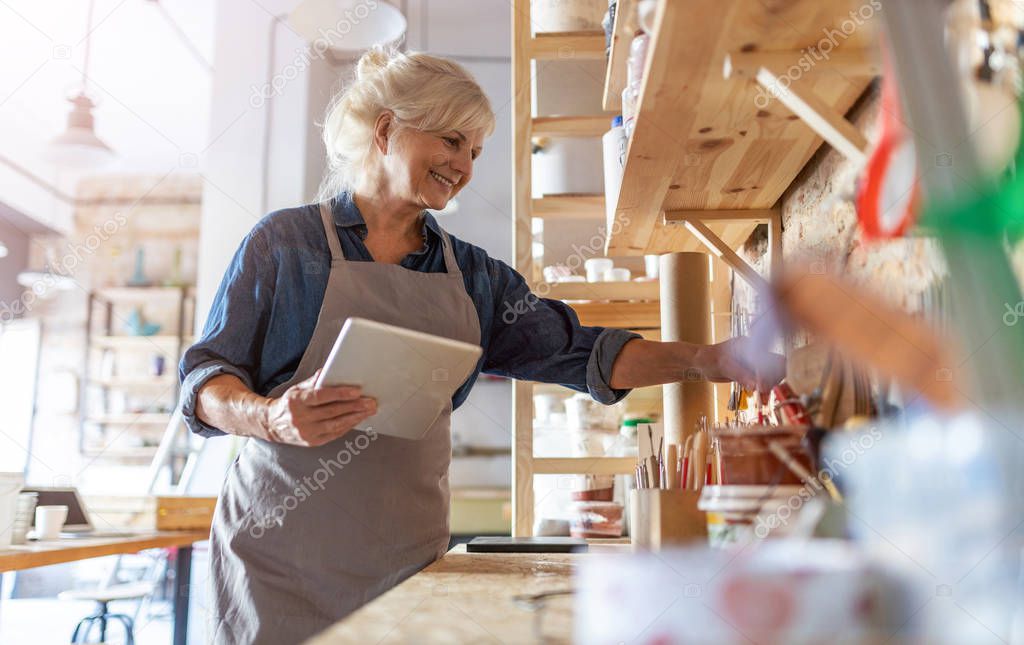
316 518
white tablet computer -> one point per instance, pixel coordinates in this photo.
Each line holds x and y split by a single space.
412 375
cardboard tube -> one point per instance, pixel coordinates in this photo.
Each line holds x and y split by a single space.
685 316
671 459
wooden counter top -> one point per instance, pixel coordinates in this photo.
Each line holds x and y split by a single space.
47 552
468 598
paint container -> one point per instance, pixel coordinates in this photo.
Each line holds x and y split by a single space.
613 146
737 515
747 460
596 520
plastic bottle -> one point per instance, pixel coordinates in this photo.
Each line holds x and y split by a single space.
614 144
634 80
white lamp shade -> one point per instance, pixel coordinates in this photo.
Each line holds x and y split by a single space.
347 25
78 146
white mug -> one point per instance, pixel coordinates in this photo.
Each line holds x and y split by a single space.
49 521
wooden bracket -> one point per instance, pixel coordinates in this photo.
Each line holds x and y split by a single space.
850 63
720 249
830 126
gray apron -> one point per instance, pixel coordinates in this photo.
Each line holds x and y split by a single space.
303 536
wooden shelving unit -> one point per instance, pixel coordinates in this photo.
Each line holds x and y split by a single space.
717 140
103 341
703 142
630 305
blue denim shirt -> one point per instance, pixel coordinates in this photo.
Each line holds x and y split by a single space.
266 308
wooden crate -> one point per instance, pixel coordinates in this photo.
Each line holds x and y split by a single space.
175 513
660 518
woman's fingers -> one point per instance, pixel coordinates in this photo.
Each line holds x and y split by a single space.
334 409
311 395
328 431
331 394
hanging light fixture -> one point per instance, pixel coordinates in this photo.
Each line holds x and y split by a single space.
78 146
347 25
45 281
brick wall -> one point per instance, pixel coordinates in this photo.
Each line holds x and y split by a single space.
820 224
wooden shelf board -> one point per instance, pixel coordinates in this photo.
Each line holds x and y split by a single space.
568 45
622 36
584 465
571 126
648 290
705 142
135 294
624 315
568 207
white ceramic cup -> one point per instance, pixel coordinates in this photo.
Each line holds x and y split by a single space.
49 521
617 274
651 265
596 267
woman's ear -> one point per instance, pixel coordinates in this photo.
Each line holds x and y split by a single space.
382 130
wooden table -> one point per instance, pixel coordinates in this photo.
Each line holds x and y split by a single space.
47 552
469 598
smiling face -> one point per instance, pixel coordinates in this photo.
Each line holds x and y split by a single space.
430 168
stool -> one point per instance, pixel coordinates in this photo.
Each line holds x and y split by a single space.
104 596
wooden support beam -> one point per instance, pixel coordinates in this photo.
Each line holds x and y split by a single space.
775 245
571 126
572 45
758 215
830 126
721 250
849 63
569 207
584 465
522 256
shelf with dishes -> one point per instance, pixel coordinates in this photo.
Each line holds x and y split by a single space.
135 336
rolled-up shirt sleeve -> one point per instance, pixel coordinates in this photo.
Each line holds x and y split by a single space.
540 339
235 330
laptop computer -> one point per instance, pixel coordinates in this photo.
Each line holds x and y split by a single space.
78 523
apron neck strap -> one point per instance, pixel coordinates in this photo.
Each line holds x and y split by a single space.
449 255
327 216
331 231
